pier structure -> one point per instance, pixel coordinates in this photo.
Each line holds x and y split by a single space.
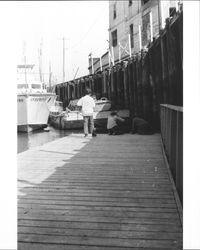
109 192
113 192
141 83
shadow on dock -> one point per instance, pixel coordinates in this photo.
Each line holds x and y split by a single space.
109 192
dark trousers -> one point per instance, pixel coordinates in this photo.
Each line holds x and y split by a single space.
114 131
88 123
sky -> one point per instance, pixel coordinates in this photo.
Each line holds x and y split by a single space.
84 24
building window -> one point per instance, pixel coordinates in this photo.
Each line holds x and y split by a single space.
114 38
131 35
114 11
172 11
130 2
144 1
146 29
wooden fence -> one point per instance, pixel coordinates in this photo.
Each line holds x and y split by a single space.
172 137
142 82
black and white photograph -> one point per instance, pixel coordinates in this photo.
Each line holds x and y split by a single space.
99 97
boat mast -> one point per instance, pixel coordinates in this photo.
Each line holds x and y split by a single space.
50 75
25 73
40 61
63 59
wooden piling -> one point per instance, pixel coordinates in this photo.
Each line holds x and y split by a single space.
147 83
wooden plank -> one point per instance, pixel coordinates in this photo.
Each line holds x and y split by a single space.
96 213
134 234
101 226
99 204
99 241
126 210
127 200
135 187
92 193
36 246
138 202
106 220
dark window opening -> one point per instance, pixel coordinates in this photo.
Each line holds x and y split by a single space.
172 11
130 2
35 86
114 11
114 38
21 86
146 29
144 1
131 35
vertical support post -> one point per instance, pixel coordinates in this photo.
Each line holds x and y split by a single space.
129 44
177 5
140 37
68 92
151 26
176 147
119 52
92 64
113 57
109 57
100 63
162 15
126 97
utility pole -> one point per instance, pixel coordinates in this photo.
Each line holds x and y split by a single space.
63 59
25 61
91 60
63 39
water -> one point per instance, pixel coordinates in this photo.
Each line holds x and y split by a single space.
26 141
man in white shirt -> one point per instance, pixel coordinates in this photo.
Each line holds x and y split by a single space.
87 103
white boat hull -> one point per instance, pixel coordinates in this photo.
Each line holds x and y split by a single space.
33 110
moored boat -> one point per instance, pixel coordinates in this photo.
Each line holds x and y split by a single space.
33 104
72 120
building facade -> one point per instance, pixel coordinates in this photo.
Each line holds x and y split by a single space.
133 25
97 65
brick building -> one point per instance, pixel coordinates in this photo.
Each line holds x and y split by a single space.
133 25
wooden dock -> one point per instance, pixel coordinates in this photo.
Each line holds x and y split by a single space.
108 192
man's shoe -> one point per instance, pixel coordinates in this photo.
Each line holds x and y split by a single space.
94 134
85 135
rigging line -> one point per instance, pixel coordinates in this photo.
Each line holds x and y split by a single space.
102 11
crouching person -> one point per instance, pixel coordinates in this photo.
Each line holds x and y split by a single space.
141 127
113 124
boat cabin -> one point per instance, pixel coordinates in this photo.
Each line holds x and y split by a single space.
30 88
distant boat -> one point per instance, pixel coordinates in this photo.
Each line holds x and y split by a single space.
33 102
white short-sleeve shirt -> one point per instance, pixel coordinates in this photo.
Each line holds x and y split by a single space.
88 104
